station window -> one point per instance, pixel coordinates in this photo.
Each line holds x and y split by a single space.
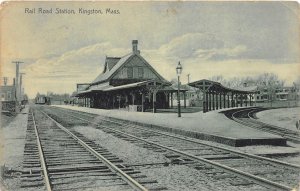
129 72
140 72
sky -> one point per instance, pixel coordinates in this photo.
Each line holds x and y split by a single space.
233 39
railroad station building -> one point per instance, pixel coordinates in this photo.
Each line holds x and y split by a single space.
128 82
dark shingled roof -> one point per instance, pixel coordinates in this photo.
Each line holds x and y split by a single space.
105 75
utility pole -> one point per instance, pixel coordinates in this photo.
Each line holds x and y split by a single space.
17 79
21 89
5 81
188 78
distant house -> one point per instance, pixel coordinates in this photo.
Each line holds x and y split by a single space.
296 91
7 93
127 82
266 93
8 98
279 94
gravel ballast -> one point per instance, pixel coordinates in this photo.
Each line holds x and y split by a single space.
174 177
121 148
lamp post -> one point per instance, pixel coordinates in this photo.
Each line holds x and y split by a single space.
178 71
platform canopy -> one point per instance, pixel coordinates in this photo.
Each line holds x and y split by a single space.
208 85
147 84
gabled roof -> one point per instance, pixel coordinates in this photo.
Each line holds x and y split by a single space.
107 75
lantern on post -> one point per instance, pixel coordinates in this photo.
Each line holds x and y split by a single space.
178 71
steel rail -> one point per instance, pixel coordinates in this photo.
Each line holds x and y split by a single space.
245 175
253 111
257 124
276 127
248 155
133 183
42 158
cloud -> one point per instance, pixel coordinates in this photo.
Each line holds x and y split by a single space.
61 73
200 46
75 61
186 45
227 53
204 61
202 56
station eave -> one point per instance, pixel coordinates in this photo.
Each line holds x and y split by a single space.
110 88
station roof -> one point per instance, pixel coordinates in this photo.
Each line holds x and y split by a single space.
208 85
108 73
114 64
147 83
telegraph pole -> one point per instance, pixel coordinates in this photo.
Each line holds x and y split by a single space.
21 80
5 81
188 78
17 79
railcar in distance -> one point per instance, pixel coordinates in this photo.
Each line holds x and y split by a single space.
43 100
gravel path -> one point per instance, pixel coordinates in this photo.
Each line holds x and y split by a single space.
12 142
6 118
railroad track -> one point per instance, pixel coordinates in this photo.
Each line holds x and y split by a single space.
251 170
247 117
57 159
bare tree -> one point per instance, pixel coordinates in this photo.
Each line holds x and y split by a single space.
271 83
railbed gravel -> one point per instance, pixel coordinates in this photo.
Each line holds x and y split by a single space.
174 177
121 148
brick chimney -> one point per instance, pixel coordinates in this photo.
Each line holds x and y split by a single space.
135 47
